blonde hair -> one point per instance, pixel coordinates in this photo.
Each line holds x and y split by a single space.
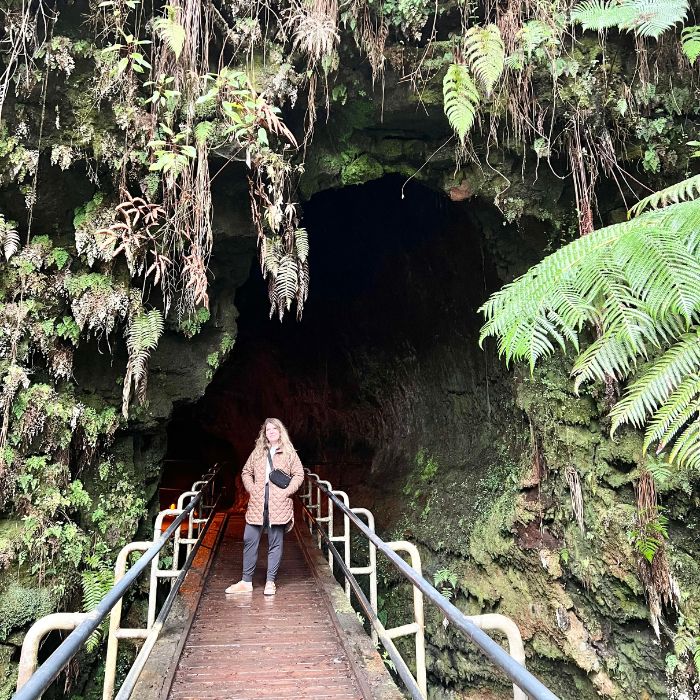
262 443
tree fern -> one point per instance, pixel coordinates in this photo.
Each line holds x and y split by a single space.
631 280
651 18
171 31
485 53
647 18
600 14
690 43
657 383
637 285
461 99
680 192
143 334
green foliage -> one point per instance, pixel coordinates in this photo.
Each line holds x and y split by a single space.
213 360
9 238
533 35
647 18
92 281
668 389
82 213
227 343
637 282
20 606
68 329
142 336
485 53
686 644
429 469
690 43
60 257
461 99
647 538
680 192
192 323
96 582
446 582
173 155
638 285
171 31
203 131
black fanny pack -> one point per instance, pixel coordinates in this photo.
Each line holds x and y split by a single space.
277 476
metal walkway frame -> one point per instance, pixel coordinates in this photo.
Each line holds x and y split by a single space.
513 665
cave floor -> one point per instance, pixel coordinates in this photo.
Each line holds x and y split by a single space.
254 646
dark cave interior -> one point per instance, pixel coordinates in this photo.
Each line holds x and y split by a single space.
394 280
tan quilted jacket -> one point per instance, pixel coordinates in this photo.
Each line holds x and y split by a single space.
281 507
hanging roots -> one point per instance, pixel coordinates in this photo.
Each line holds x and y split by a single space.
574 483
660 585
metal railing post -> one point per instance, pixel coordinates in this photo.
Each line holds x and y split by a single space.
156 572
115 619
328 518
418 625
345 537
372 568
30 646
314 506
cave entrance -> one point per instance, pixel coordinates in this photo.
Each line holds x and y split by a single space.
394 282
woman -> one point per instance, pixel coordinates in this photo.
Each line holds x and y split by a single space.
269 506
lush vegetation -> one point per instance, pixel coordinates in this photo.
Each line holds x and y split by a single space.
154 93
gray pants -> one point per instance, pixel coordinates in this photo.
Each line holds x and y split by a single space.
251 540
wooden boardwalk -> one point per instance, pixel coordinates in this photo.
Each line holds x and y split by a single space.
250 646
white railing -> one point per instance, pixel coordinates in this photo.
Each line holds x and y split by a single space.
311 498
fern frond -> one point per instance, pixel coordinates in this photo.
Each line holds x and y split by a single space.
647 18
9 238
682 406
600 14
203 131
680 192
686 449
633 280
485 52
461 99
301 241
171 32
651 18
286 284
656 384
690 43
96 584
143 334
303 287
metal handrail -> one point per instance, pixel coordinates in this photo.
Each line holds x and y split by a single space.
517 673
42 678
394 654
